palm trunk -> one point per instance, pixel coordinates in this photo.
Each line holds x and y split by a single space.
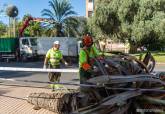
60 102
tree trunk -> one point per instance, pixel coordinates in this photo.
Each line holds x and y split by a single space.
59 102
98 45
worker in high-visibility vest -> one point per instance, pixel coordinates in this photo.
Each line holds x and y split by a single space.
86 55
54 57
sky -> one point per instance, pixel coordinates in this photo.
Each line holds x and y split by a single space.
34 7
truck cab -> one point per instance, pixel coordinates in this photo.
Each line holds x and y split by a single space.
28 47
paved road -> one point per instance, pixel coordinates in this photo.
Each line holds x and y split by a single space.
66 77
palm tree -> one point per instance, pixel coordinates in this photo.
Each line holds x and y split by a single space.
61 14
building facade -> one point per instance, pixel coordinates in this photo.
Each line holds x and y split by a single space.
89 8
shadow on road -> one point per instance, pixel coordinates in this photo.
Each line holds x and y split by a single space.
15 74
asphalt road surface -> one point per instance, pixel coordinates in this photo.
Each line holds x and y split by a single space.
72 78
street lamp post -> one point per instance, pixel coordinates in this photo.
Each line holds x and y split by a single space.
12 12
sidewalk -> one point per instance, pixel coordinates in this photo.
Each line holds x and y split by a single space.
12 100
160 63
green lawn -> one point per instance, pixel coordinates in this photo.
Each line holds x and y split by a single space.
159 56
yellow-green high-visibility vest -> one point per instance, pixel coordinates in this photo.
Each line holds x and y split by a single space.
54 56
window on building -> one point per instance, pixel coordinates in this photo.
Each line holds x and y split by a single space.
90 0
90 13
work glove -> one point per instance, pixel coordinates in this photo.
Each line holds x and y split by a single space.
66 64
45 66
86 66
95 69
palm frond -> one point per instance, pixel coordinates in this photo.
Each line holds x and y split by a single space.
70 19
69 12
60 13
67 9
72 25
48 13
56 6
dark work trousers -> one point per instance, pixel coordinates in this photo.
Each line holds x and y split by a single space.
54 76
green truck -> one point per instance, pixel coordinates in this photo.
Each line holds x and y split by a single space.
8 47
17 48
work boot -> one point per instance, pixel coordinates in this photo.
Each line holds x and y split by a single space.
52 86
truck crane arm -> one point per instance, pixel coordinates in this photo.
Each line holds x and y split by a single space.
29 19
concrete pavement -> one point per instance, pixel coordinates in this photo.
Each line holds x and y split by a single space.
12 100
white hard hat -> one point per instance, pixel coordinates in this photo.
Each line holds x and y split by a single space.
56 42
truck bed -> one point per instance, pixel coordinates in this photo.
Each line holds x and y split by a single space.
8 45
68 46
